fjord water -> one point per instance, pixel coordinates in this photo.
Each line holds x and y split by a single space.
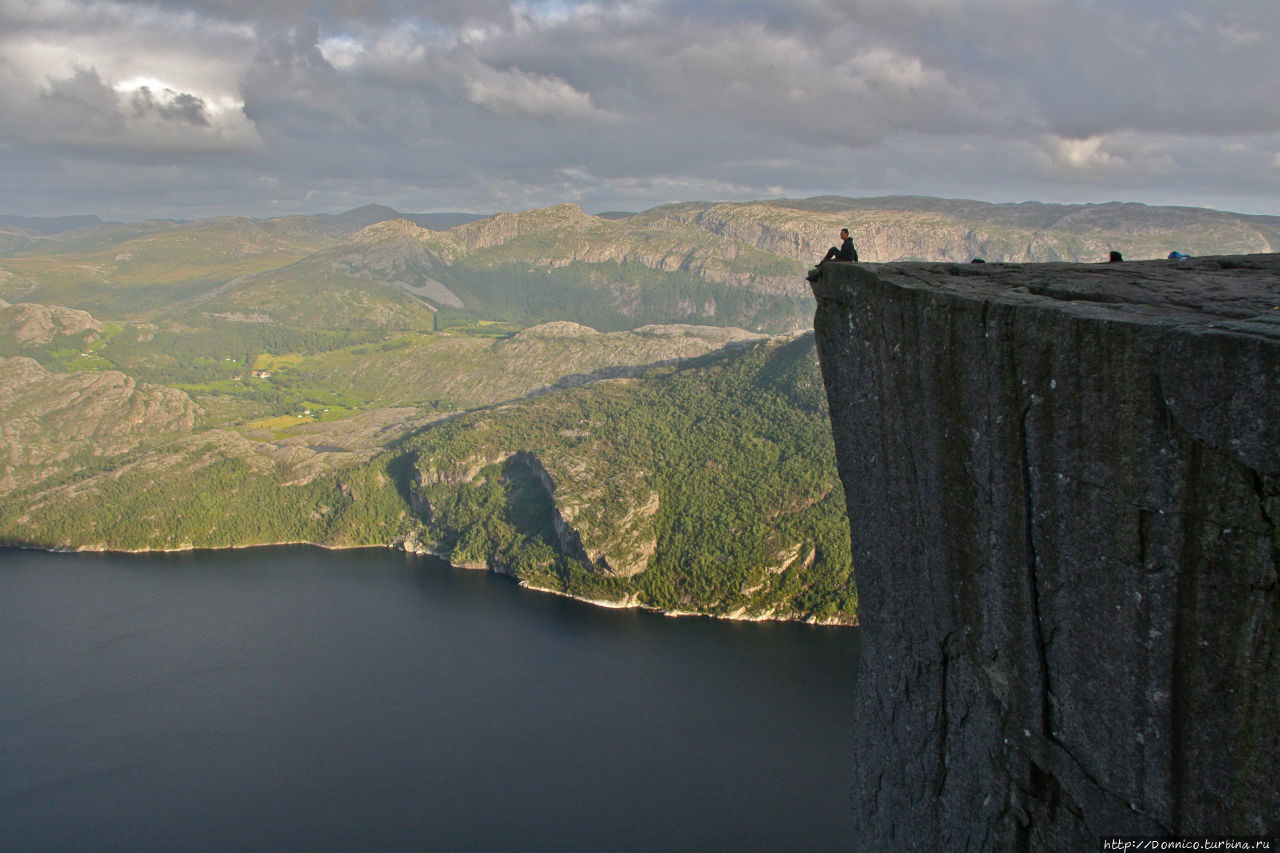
297 699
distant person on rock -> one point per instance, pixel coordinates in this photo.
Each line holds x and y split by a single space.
1115 258
845 252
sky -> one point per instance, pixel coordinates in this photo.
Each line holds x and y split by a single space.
194 108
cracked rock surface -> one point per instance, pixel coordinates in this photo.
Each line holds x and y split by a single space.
1064 488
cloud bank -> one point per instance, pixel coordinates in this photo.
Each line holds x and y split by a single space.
201 107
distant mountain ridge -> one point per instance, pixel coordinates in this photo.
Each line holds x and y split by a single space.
50 224
715 263
1132 217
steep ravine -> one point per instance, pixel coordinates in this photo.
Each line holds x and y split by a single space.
1064 489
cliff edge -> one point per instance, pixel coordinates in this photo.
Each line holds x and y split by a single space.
1064 488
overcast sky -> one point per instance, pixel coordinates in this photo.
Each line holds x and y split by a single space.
192 108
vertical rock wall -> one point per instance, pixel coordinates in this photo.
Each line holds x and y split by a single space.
1064 488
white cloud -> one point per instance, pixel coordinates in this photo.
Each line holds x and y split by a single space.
521 93
343 52
1085 155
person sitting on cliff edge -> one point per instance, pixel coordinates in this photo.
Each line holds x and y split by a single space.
846 252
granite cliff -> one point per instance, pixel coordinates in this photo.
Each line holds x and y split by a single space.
1064 488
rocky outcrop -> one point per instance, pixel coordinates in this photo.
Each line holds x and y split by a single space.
397 253
504 227
605 521
1064 489
51 423
571 236
32 324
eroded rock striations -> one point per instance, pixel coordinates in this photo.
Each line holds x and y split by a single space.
1064 488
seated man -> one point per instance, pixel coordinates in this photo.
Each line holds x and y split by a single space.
846 252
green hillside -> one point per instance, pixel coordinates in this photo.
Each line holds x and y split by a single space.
280 386
707 487
144 270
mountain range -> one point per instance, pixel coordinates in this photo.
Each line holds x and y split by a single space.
735 264
625 407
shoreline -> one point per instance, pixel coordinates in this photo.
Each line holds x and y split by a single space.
629 604
626 604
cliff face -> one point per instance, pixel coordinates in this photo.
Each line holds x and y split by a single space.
1064 489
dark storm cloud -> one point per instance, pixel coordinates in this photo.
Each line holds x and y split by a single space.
170 106
489 105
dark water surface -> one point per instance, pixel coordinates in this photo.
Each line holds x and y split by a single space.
297 699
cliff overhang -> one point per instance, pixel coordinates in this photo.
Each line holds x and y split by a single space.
1063 482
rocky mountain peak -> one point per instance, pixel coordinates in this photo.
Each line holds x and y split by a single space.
505 227
389 229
